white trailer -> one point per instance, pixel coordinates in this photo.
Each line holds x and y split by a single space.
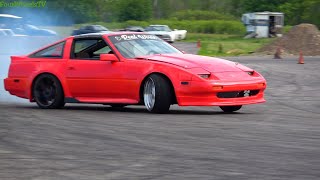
263 24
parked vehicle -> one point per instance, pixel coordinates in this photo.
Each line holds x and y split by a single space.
19 26
31 30
90 29
133 29
165 33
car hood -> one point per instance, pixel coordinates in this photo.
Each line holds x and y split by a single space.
210 64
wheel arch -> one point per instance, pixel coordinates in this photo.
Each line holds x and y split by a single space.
36 77
174 98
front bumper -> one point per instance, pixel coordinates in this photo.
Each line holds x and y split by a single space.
206 93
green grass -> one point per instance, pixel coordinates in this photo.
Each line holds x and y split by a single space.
286 28
226 45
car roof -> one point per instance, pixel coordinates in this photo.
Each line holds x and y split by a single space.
100 34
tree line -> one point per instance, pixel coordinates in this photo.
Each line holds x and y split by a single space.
82 11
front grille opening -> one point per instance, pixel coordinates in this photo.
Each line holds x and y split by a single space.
237 94
232 94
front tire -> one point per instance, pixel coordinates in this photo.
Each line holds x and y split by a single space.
157 94
48 92
230 109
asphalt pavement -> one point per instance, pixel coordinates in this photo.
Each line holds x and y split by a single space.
279 139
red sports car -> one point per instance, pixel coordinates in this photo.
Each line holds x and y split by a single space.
120 69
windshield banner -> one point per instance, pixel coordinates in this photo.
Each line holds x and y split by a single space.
129 37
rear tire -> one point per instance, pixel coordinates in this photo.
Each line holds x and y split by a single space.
157 94
229 109
47 92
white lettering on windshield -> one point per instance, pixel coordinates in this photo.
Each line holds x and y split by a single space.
147 37
133 36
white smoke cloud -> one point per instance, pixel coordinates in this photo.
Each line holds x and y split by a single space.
22 45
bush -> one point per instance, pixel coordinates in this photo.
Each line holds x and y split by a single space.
135 23
200 15
205 26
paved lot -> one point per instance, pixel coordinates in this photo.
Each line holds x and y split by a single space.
276 140
189 47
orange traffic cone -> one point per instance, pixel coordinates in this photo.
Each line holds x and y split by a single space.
199 44
301 59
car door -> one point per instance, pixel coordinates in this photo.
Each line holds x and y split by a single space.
89 77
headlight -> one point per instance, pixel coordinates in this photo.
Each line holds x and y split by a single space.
253 73
250 73
204 76
200 74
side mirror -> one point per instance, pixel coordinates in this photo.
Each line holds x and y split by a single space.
108 57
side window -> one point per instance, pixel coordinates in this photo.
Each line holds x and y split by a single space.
54 51
89 49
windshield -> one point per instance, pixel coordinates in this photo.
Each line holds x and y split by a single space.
101 28
136 45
